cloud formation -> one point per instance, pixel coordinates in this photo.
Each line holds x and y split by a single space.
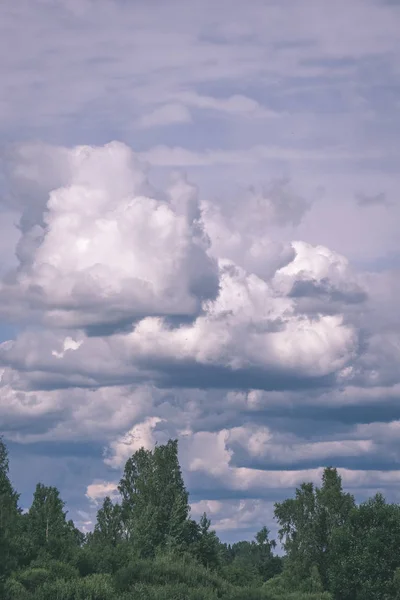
248 306
144 298
105 252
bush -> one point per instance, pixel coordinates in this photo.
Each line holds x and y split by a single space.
33 577
166 570
14 590
58 569
93 587
241 575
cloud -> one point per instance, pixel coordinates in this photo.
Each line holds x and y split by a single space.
70 413
206 454
366 200
97 491
140 436
247 326
235 319
250 331
115 57
8 240
178 156
185 292
236 105
231 515
319 279
106 252
169 114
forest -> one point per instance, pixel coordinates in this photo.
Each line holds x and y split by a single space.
146 546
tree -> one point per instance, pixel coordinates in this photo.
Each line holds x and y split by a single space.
297 519
333 509
109 527
307 523
155 506
9 517
364 552
207 546
268 564
48 530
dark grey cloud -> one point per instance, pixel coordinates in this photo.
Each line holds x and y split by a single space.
366 200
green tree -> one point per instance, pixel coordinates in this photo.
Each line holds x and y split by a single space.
48 529
109 526
365 552
298 523
207 546
268 564
307 523
155 507
333 510
9 518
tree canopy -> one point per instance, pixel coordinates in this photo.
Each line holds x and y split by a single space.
146 546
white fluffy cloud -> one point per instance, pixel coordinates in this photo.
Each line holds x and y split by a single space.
106 252
141 314
210 454
98 490
231 515
103 251
241 231
140 436
141 304
248 325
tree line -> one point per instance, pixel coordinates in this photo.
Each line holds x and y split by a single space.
146 546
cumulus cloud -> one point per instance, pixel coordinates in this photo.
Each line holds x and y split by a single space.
106 252
140 436
319 274
241 231
141 313
266 445
249 330
182 289
148 302
209 454
97 491
248 325
232 515
78 413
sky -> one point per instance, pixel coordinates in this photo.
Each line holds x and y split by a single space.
199 239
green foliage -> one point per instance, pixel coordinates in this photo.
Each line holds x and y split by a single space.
93 587
56 568
366 552
48 531
147 547
33 578
15 590
205 544
168 569
109 528
155 506
280 588
251 563
103 558
9 519
307 524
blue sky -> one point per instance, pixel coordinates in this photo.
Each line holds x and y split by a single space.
199 239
